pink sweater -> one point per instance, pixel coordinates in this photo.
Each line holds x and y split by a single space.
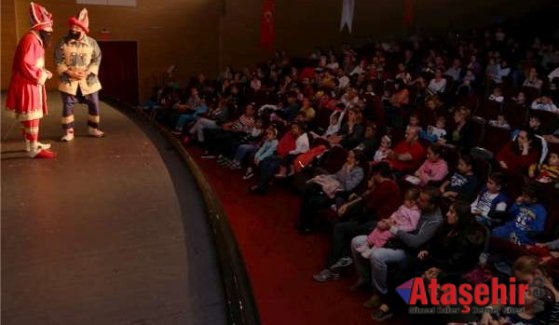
432 171
405 219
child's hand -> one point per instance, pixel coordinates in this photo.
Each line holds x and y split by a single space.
422 254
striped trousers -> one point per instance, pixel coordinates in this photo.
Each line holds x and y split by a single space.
69 101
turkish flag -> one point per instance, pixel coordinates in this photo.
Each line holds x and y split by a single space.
267 32
408 12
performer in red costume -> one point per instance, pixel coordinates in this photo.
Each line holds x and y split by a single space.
27 98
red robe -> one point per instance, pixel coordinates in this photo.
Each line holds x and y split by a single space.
26 94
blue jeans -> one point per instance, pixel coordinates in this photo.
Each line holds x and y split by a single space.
268 168
376 270
243 150
184 119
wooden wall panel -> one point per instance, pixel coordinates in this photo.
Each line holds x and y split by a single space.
195 36
9 40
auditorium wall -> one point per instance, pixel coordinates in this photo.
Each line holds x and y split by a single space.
205 35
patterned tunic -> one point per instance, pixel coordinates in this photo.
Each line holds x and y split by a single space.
83 54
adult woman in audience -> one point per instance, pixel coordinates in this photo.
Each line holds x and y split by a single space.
456 247
518 155
359 216
462 134
351 132
317 196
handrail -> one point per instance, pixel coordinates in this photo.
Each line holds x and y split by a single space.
241 306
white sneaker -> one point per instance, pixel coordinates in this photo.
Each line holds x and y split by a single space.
39 145
69 136
94 132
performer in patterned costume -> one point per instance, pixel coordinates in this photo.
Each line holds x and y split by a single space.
77 62
27 97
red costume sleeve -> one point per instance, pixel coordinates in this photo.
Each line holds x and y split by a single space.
31 50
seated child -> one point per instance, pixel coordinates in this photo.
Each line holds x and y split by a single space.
413 122
383 150
434 169
500 122
528 217
405 218
463 183
546 173
490 199
434 133
266 149
497 95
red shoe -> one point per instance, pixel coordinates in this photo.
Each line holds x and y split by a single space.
44 154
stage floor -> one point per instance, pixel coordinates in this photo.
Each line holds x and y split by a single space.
112 231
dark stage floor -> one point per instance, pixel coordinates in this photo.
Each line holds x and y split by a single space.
112 231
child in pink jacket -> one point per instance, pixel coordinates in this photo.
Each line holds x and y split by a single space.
405 218
434 169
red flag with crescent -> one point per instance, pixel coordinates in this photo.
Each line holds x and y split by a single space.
267 32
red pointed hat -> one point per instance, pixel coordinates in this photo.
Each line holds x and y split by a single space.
82 20
40 18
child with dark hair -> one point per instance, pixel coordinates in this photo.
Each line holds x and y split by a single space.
528 218
546 173
463 183
434 169
490 199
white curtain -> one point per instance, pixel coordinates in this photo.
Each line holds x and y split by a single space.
347 14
